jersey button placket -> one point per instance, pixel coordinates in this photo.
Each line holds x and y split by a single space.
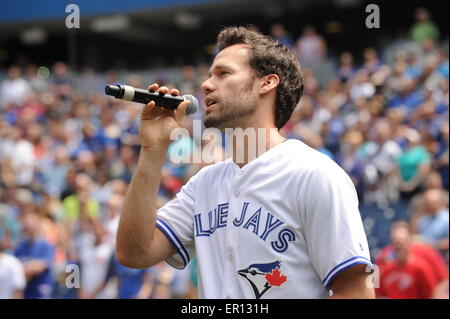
230 254
238 182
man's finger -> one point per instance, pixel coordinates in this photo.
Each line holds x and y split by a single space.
163 90
153 87
181 110
151 111
175 92
147 111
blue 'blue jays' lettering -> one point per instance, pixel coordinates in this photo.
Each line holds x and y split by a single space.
199 231
222 215
216 220
238 222
270 226
212 221
254 221
218 217
284 237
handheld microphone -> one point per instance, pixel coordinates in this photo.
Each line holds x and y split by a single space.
168 101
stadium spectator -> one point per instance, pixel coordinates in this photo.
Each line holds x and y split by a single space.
122 167
162 278
433 181
19 201
279 33
442 155
421 250
380 154
371 62
424 27
62 85
346 69
37 256
53 231
9 226
112 215
169 282
17 154
406 277
12 274
361 87
38 84
349 160
133 283
81 206
413 165
434 223
310 48
53 171
95 252
188 82
14 90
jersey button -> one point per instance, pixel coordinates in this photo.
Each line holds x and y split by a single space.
230 256
236 193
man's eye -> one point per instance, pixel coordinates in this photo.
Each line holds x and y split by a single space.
224 72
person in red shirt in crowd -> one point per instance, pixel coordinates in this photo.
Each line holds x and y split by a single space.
407 276
422 250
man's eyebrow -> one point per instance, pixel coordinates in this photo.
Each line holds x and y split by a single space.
218 66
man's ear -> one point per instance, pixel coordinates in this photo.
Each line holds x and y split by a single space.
268 83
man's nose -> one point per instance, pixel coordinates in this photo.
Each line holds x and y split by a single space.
207 87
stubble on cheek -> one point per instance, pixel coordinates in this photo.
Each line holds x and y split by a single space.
230 112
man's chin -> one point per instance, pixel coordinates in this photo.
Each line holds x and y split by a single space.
211 122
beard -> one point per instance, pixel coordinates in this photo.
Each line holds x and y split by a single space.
232 112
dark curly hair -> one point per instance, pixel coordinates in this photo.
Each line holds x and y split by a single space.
268 56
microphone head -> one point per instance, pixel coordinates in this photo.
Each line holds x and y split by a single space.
193 106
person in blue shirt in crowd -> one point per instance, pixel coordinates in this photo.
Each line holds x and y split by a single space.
408 98
433 224
37 256
132 283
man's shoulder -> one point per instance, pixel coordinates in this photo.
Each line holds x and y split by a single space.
295 156
205 175
213 168
307 159
302 155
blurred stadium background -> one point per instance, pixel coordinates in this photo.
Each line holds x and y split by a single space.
376 101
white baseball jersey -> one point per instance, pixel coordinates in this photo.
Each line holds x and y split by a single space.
282 226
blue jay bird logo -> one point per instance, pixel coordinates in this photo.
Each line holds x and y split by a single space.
262 277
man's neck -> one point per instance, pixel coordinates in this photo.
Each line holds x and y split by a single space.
253 143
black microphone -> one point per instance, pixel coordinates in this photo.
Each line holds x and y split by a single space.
168 101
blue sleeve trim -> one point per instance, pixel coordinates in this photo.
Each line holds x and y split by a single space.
176 242
343 266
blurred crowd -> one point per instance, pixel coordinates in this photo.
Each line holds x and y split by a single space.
68 151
